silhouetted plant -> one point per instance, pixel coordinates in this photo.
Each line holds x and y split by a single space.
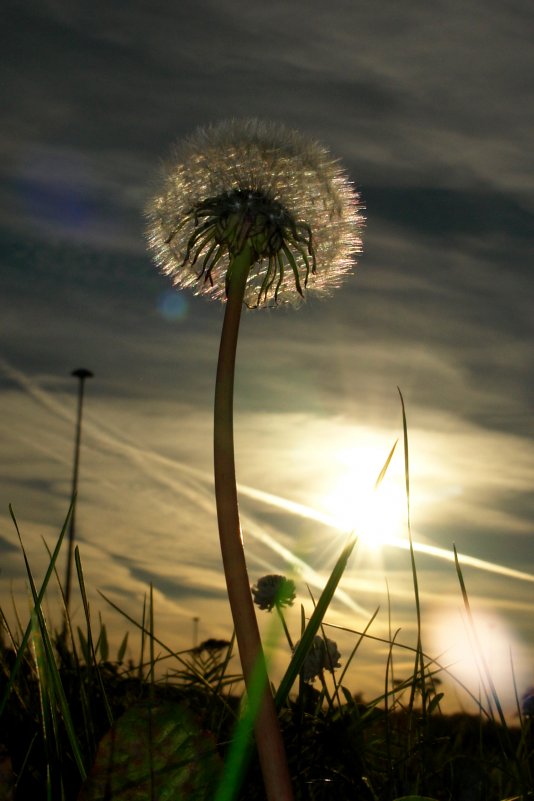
252 213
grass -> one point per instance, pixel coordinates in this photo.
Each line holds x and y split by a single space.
77 723
62 693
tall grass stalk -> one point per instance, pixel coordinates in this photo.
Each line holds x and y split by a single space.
91 658
419 664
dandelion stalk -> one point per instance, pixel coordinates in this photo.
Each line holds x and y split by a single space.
269 740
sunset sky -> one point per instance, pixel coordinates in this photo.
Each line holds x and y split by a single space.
429 107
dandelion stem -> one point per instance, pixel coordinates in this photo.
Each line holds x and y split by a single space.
268 735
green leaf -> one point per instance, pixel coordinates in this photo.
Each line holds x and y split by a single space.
50 684
386 465
155 751
49 572
435 702
314 624
122 648
102 644
83 646
349 698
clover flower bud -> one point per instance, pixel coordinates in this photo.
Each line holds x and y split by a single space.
323 655
246 183
272 591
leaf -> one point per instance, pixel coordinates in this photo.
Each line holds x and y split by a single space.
155 751
102 644
314 624
49 571
435 702
386 465
83 646
122 648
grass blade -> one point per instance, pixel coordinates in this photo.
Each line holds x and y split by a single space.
314 624
40 596
56 695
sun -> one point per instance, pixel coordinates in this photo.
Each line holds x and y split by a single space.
376 514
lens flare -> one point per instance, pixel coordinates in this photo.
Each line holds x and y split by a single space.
494 646
172 306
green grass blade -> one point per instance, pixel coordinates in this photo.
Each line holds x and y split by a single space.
386 465
241 746
52 679
419 661
91 649
40 596
478 646
174 654
122 649
357 645
152 671
314 624
102 644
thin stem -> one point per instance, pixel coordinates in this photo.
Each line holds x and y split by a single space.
81 374
284 625
268 736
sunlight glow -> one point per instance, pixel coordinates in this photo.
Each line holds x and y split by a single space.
336 504
376 514
468 655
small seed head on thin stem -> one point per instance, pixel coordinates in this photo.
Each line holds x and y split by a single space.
323 655
274 590
257 184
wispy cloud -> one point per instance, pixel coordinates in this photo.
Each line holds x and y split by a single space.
440 303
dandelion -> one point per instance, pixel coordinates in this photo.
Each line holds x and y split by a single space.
272 591
251 213
260 187
323 655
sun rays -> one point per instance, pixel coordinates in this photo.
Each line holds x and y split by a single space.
350 502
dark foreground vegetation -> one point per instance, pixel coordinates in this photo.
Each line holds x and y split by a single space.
137 737
78 724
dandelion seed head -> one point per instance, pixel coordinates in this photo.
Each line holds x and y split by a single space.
260 184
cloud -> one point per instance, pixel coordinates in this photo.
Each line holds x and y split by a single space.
427 106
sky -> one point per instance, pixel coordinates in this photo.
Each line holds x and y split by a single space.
429 108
